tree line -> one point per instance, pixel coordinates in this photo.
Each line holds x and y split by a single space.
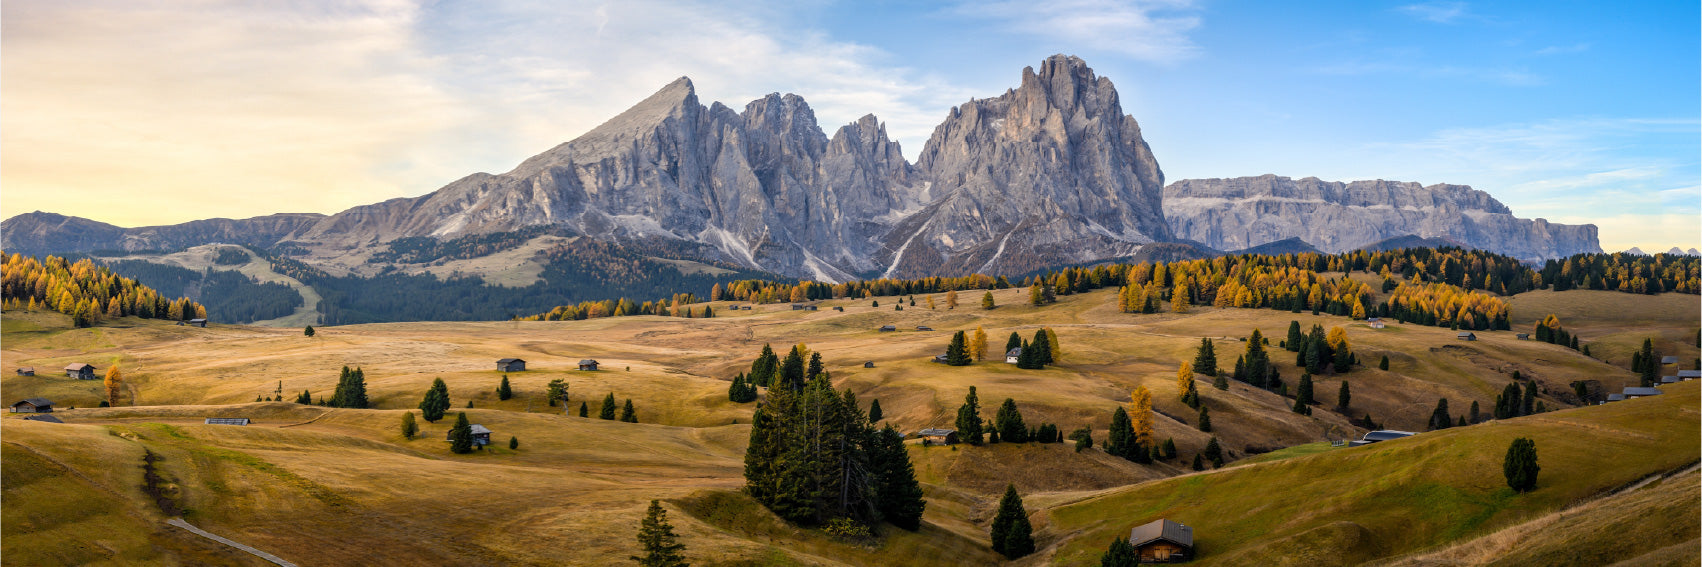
1628 273
87 292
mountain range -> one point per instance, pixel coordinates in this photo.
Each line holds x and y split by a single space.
1050 173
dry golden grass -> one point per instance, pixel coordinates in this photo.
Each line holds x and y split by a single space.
337 485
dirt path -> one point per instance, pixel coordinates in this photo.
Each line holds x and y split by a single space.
209 535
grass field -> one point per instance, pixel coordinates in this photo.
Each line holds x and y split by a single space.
323 486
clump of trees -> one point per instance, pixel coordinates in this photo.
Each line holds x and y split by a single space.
351 390
87 292
814 458
436 401
1628 273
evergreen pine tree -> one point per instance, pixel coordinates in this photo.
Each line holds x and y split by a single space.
503 390
1009 424
792 370
1294 340
1121 440
1529 402
584 409
1013 535
656 537
957 353
1220 382
513 443
436 401
308 331
1344 397
1197 464
1042 347
305 398
1520 465
461 435
1439 418
627 414
1205 359
1169 448
1384 364
1474 417
1204 422
609 407
1014 342
556 391
969 418
409 428
899 494
874 411
1303 392
1120 554
1083 438
1214 453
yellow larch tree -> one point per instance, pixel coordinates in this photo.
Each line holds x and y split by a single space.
1141 417
978 344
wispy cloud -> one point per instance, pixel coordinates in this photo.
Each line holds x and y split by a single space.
1439 12
163 114
1563 49
1149 30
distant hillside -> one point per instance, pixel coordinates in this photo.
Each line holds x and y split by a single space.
1413 241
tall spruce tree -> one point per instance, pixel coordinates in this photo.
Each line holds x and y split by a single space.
1214 453
584 409
900 496
1121 440
503 390
409 428
1474 417
1439 418
609 407
957 353
627 413
1014 342
1520 465
656 538
969 418
1303 392
1042 347
1528 403
764 368
1205 359
1008 421
436 401
1295 339
1204 423
1012 534
1344 397
461 435
792 370
875 411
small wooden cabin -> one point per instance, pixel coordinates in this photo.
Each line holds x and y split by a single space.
1012 356
938 436
80 371
1634 393
588 365
1467 336
1523 336
26 371
481 435
198 322
510 365
839 308
33 405
869 364
924 328
940 358
1375 322
1669 360
226 421
888 328
1162 541
1689 375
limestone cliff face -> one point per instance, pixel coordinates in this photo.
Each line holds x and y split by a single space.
764 187
1051 172
1231 214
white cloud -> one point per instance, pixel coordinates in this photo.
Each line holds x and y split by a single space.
1439 12
137 114
1563 49
1149 30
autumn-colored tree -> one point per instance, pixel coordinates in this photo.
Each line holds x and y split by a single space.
1056 352
1179 299
978 344
1185 378
114 385
987 300
1141 415
951 299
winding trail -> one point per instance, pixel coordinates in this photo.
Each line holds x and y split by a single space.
209 535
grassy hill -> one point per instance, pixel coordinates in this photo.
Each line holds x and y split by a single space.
322 486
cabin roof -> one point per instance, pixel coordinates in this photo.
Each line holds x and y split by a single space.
508 360
480 429
1162 529
1690 374
1466 334
1636 391
80 366
1014 352
587 362
37 402
936 432
1669 360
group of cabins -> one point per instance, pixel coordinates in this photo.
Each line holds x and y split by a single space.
193 322
518 365
894 328
79 371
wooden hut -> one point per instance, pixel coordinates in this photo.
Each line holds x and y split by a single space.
1467 336
510 365
869 364
1375 322
226 421
1012 356
938 436
588 365
33 405
26 371
198 322
888 328
1162 541
80 371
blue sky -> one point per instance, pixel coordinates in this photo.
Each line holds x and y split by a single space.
137 113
